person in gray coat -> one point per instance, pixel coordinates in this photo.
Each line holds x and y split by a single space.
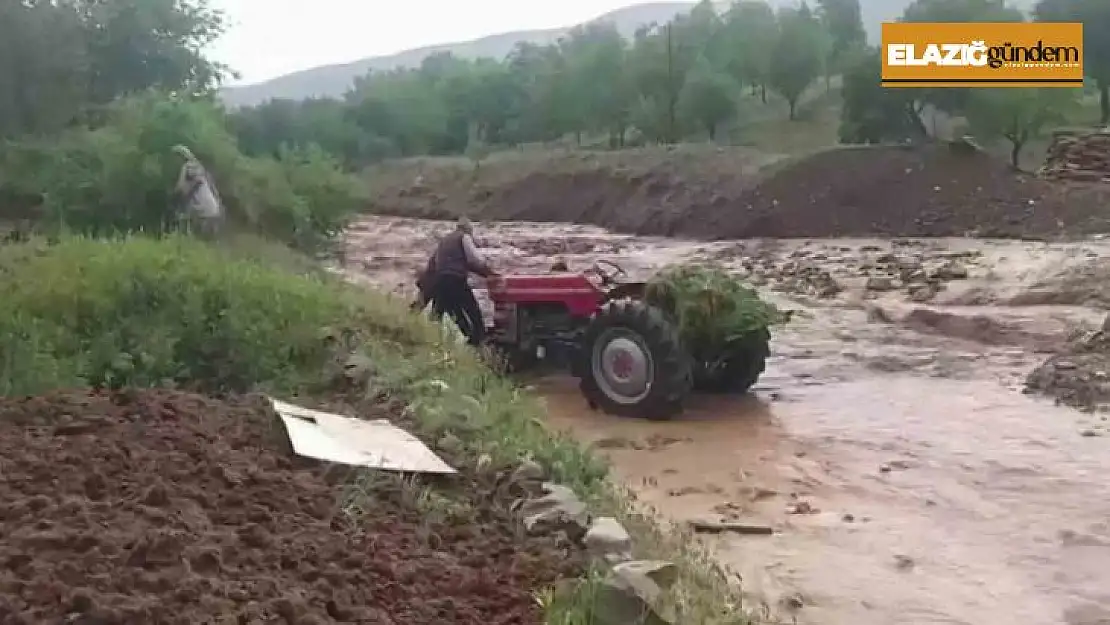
456 257
204 211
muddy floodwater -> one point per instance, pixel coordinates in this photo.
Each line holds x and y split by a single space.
906 477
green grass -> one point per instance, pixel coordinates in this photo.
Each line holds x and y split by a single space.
147 312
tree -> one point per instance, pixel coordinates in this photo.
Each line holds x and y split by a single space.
954 101
1017 115
1095 16
844 24
708 97
58 58
797 55
875 114
961 11
751 29
596 61
137 44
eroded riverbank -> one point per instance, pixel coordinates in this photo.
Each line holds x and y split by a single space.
906 478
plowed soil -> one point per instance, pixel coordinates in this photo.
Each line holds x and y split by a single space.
859 191
165 507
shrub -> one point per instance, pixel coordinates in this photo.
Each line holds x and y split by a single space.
119 176
146 313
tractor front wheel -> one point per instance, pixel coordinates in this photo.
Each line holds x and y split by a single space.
633 363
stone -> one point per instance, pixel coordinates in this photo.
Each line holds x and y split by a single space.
880 283
528 471
450 444
663 573
630 595
558 509
359 367
922 293
607 539
950 270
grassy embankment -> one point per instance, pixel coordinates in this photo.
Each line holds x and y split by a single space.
145 312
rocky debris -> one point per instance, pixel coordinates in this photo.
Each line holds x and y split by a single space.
631 593
881 283
608 540
922 293
950 270
154 506
798 275
1078 376
1078 156
559 509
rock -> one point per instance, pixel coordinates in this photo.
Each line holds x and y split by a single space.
630 595
558 509
922 293
876 314
528 471
449 444
903 563
663 573
801 507
607 539
792 602
359 368
950 270
880 283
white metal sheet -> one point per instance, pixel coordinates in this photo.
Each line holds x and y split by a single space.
375 444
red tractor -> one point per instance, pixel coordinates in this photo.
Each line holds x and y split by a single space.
627 354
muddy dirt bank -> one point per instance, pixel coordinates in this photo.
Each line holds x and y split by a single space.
859 191
165 507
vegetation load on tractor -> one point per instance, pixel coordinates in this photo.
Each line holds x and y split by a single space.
638 348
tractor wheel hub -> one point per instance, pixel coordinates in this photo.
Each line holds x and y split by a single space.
622 367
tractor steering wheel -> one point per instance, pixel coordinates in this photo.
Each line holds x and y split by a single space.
608 276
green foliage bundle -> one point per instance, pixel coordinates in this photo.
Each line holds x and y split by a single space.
147 312
712 309
119 175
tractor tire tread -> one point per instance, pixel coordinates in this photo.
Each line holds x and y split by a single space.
742 370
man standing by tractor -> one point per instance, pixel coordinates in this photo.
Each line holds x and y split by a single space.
456 257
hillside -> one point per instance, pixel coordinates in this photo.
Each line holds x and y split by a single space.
334 80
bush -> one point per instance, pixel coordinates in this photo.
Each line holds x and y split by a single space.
713 310
147 313
119 176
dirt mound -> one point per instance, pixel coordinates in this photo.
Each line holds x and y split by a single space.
164 507
1079 376
896 191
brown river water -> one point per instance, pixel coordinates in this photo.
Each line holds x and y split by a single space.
907 479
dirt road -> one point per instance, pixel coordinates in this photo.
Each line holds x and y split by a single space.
906 477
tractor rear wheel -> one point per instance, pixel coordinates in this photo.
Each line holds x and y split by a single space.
740 370
633 363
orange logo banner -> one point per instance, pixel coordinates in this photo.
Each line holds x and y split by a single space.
964 54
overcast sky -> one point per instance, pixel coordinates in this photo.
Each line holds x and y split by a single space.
268 38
